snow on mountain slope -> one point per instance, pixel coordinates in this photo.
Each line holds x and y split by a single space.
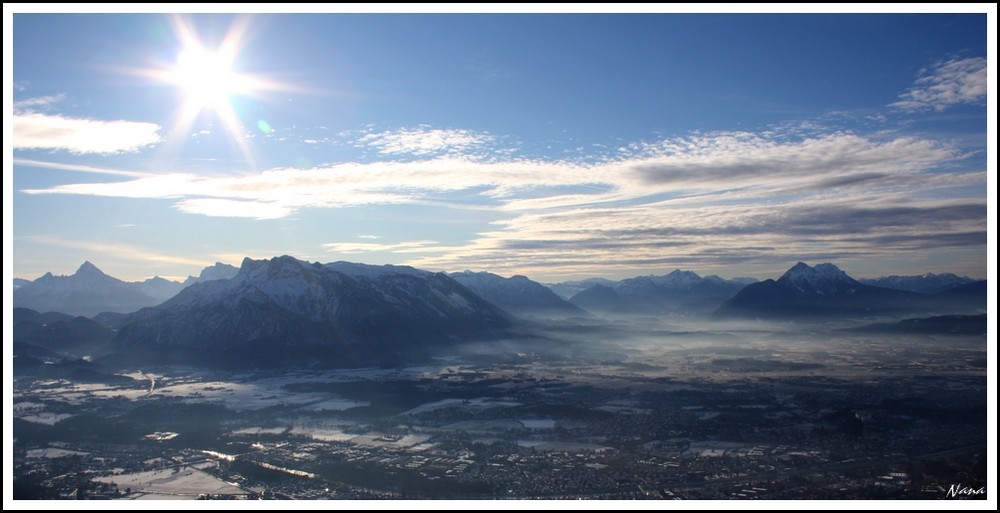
287 310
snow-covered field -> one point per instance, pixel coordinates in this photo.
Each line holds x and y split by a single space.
240 392
546 445
53 452
322 434
254 431
335 405
174 483
479 402
47 418
397 442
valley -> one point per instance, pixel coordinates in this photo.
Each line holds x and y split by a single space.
659 413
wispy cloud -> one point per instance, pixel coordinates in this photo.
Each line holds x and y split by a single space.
945 84
425 141
714 198
748 159
118 252
38 102
716 237
38 131
417 246
216 207
80 168
715 165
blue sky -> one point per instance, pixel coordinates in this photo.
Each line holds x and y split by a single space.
557 146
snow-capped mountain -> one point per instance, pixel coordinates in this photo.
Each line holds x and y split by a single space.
929 283
284 310
86 292
826 290
516 294
824 279
650 286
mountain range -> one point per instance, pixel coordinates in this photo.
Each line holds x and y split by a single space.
285 311
568 289
89 291
825 291
517 294
929 283
86 292
679 291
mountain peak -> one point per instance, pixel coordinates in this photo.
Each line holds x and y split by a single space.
218 271
88 268
282 267
250 264
679 278
822 271
86 292
822 278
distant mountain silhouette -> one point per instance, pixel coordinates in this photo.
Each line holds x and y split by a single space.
678 291
929 283
937 325
606 300
86 292
218 271
89 291
568 289
516 294
57 332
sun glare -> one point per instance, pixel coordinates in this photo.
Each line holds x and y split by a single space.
209 81
215 93
207 78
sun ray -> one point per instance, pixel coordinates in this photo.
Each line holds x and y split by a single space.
209 79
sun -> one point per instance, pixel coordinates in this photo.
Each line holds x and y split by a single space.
207 79
206 70
209 82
